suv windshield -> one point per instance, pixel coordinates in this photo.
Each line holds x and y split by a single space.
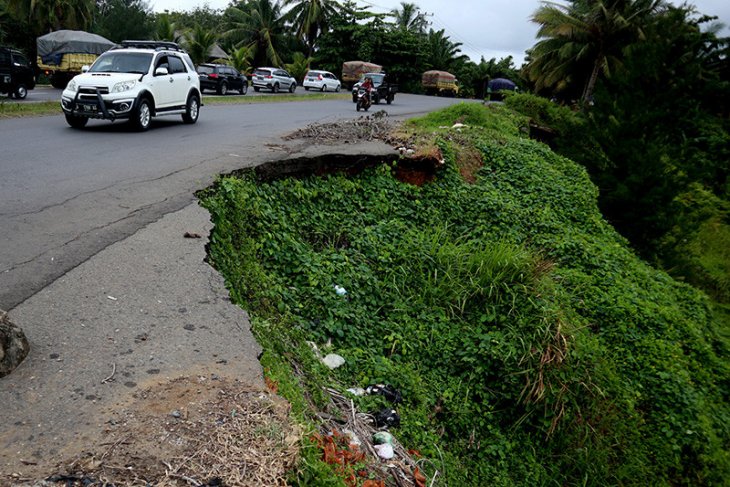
122 62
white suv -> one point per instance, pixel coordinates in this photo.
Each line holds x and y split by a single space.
135 81
273 79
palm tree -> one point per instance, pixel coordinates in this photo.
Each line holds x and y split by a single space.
198 42
441 52
299 66
584 39
311 18
259 26
4 20
50 15
165 30
410 18
241 59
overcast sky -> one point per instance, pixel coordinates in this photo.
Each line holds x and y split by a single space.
488 28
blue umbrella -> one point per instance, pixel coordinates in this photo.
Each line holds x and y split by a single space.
498 84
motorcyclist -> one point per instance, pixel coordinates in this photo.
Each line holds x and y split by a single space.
367 85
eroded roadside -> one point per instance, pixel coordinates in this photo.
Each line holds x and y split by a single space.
152 358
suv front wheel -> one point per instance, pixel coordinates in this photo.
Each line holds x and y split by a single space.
142 115
75 121
192 110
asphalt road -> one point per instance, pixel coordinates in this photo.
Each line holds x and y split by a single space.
67 194
49 93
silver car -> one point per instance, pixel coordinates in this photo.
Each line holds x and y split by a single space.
274 79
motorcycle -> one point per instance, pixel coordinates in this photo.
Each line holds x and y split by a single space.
363 99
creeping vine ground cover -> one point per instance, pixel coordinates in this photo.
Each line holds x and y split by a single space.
530 344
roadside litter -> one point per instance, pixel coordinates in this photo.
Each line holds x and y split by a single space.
352 432
386 418
387 391
333 361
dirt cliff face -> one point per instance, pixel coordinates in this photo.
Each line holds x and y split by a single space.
13 345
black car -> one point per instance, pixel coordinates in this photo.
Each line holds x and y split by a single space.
16 74
221 78
383 88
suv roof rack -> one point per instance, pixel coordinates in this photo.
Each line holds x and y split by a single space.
156 45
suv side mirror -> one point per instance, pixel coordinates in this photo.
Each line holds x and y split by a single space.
85 68
161 71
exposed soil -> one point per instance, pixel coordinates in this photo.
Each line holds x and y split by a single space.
376 126
189 431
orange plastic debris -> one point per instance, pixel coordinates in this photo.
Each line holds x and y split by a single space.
419 478
272 385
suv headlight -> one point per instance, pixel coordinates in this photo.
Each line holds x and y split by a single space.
71 86
123 86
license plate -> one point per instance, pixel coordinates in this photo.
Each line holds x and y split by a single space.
88 108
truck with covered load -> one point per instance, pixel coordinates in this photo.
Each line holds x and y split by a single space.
352 71
441 83
62 54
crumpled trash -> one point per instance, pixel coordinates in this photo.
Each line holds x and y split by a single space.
387 391
385 451
382 437
354 440
387 418
341 291
356 391
333 361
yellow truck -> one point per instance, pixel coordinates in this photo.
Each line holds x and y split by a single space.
439 83
62 54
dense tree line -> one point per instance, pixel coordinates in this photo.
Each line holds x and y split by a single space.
651 85
292 33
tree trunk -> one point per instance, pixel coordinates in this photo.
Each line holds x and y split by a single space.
591 84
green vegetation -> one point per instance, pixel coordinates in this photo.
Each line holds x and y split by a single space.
14 109
531 345
655 135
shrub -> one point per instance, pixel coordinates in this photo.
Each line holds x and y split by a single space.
531 345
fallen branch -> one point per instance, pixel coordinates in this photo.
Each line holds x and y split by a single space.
110 378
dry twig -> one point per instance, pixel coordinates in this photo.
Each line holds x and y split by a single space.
111 376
